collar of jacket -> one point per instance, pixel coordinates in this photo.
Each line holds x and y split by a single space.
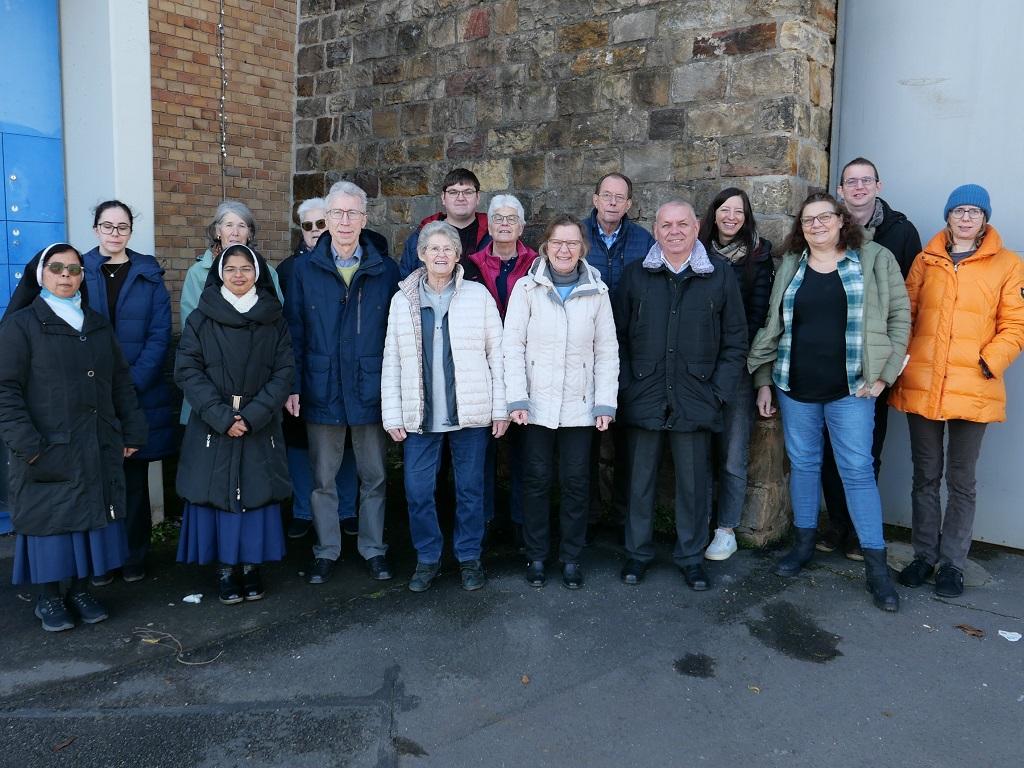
851 254
589 284
372 262
213 305
139 264
595 229
410 287
481 224
51 323
935 251
699 262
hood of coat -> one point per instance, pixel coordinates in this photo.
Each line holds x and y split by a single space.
266 311
539 275
991 244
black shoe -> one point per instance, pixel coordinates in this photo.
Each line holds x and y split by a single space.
101 580
801 553
633 572
423 576
949 581
298 528
379 568
252 583
572 576
695 577
133 573
916 574
879 583
473 577
535 575
87 607
53 613
350 526
228 586
319 571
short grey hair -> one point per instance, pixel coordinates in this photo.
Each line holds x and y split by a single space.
506 201
438 228
308 205
241 210
676 201
346 188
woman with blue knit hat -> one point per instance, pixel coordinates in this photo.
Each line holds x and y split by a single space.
967 303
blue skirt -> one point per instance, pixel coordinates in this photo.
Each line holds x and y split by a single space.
78 555
210 535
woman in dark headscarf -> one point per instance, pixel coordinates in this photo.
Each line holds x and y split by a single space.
69 415
235 366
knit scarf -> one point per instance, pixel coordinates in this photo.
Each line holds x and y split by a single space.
734 252
242 303
68 310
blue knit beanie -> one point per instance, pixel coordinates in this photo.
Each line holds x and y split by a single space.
969 194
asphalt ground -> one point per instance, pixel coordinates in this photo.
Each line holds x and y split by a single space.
759 670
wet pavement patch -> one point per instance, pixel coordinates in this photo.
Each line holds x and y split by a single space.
695 665
405 746
788 630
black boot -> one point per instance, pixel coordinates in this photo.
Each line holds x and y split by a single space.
801 553
230 591
879 583
252 584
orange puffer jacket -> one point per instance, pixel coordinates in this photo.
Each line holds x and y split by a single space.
962 315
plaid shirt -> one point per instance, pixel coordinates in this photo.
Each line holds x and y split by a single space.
852 277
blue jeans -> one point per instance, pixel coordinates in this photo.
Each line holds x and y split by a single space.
302 484
730 449
851 424
422 456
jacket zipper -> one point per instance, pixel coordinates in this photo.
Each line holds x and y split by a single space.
111 511
359 310
208 436
272 442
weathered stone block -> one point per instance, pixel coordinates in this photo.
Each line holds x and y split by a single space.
696 159
462 146
779 114
651 87
667 124
528 172
375 44
564 168
799 36
626 57
778 195
494 175
305 130
425 149
475 24
719 118
310 107
771 75
421 66
330 27
489 52
315 7
510 140
304 86
306 159
339 103
392 153
651 162
582 36
812 164
634 26
590 130
309 31
453 114
628 126
385 123
767 510
506 18
684 15
369 154
472 82
730 42
415 118
411 39
403 181
759 156
441 31
338 53
391 70
324 126
598 162
327 83
310 59
821 85
338 157
698 80
307 185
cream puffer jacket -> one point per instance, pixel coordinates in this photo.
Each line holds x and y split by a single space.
561 359
475 334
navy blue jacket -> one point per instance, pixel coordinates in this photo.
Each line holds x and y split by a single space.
143 329
631 245
338 333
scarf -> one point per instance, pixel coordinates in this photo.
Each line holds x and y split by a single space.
242 303
876 216
734 252
68 310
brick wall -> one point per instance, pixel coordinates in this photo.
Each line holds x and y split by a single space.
260 62
541 98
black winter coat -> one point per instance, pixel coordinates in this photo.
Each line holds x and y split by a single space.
222 353
757 289
67 397
898 235
682 344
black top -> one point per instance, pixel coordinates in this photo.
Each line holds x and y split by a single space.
501 281
467 235
114 275
817 369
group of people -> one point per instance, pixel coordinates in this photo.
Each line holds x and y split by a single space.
296 379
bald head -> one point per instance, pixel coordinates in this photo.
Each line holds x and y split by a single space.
675 230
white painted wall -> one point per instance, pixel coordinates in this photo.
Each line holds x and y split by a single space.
108 114
930 91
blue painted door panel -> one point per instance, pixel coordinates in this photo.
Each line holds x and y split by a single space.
26 238
30 76
33 178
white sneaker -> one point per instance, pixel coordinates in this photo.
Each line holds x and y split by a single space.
722 547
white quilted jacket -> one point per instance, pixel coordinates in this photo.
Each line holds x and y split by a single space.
561 360
474 327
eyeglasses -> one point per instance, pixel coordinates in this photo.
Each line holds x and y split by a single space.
863 181
510 219
608 197
108 229
57 267
556 245
246 271
309 226
822 218
434 250
461 194
337 214
967 213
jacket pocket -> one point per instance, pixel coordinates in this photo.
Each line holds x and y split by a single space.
54 464
316 379
368 381
697 386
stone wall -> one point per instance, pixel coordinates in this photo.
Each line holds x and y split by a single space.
541 98
259 110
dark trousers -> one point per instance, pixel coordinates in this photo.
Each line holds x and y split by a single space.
690 457
138 515
615 439
940 539
538 450
832 484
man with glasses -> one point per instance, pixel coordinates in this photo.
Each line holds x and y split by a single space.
682 343
337 311
615 241
859 185
460 196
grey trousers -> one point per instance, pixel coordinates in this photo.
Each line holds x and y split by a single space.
326 452
939 539
690 458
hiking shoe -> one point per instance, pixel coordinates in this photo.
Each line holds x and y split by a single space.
88 608
473 577
229 588
423 576
722 547
54 615
949 581
319 571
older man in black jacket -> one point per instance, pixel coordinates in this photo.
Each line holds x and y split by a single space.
682 343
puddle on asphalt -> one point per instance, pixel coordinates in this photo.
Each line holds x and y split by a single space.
788 630
404 746
695 665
